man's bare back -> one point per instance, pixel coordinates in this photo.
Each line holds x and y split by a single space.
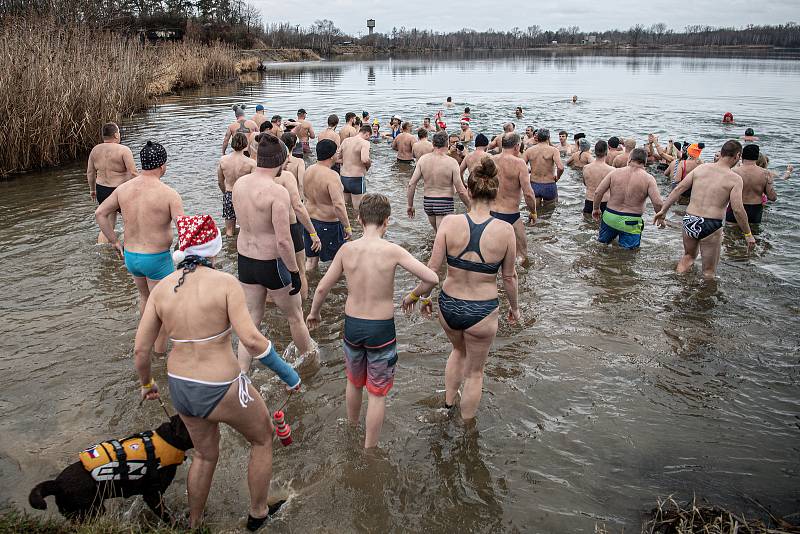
473 159
111 164
628 190
148 208
712 185
545 161
756 181
404 144
438 173
329 133
233 166
355 152
511 173
324 193
593 174
421 147
347 131
255 198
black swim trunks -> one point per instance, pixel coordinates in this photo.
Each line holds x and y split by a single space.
510 218
271 274
588 206
754 213
103 192
409 161
700 227
296 230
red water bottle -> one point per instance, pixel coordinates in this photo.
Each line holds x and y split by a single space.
282 429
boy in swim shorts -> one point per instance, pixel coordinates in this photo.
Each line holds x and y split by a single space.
370 345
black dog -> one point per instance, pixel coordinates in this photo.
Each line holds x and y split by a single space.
79 496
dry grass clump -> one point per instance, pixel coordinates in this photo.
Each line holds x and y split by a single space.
58 87
669 517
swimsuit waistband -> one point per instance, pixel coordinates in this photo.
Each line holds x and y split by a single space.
244 395
132 253
623 214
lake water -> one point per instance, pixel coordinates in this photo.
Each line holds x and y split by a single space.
624 383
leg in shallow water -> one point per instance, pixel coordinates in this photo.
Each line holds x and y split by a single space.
312 263
101 237
161 341
230 227
300 258
255 296
205 438
255 425
454 370
356 203
292 308
522 242
691 247
353 396
433 220
478 340
348 199
376 408
710 248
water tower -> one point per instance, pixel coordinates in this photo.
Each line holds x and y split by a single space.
371 25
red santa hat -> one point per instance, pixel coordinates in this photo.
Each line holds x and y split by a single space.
198 235
465 119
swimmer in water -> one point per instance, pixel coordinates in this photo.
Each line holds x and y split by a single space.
304 132
355 164
715 186
473 159
757 183
518 113
563 146
727 118
614 149
349 129
496 143
449 102
241 125
546 168
232 167
749 136
404 144
593 174
465 135
622 159
574 99
423 145
259 117
583 157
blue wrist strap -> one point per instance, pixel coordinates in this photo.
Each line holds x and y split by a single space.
278 365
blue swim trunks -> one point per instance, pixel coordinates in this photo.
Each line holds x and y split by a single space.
548 191
152 266
331 234
370 349
354 186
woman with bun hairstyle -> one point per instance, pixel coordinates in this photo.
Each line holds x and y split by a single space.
476 247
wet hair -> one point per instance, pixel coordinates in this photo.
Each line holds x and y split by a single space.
563 132
440 140
189 265
601 149
422 133
578 136
630 144
519 108
406 126
613 142
374 209
749 132
264 126
483 182
366 128
239 142
510 140
349 115
730 149
449 98
466 110
333 120
639 155
289 139
109 130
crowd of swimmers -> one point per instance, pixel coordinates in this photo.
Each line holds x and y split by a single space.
290 217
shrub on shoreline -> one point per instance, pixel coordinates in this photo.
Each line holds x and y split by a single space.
63 84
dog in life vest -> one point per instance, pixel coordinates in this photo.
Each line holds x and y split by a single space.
143 464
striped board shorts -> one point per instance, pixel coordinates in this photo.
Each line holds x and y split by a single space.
438 206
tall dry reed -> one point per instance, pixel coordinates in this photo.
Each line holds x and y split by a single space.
58 87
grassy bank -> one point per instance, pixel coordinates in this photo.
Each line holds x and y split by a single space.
58 87
668 517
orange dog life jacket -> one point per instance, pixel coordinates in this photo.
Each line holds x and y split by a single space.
130 459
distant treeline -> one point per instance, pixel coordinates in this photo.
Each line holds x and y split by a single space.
324 34
233 21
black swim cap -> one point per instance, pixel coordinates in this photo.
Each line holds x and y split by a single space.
481 140
749 132
613 142
326 149
750 152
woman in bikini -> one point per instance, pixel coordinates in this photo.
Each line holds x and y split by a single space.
199 307
476 246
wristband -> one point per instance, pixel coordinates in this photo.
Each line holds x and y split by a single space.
349 229
150 384
313 235
424 301
413 297
749 234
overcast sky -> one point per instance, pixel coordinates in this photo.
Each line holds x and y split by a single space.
351 15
